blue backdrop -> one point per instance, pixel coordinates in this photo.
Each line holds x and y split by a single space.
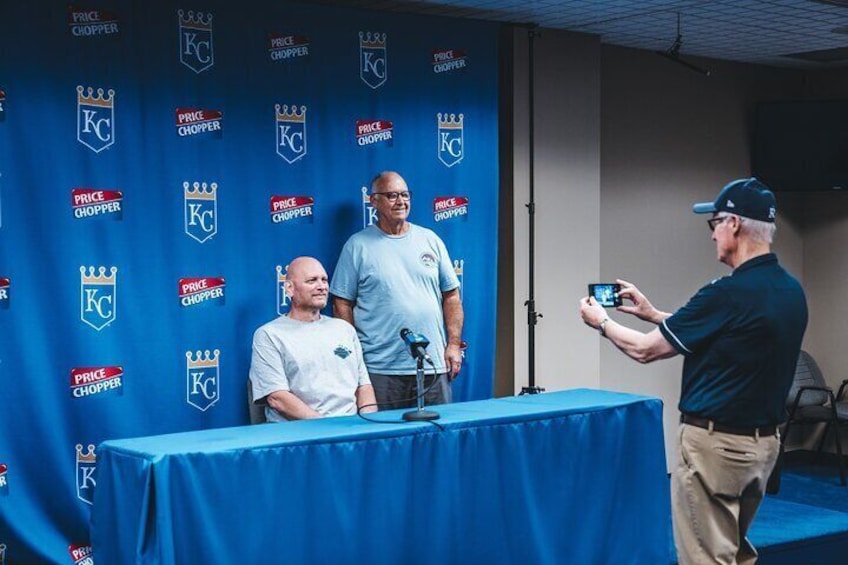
160 163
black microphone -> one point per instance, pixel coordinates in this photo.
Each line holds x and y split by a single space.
417 344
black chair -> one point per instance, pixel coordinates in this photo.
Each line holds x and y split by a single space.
811 401
256 411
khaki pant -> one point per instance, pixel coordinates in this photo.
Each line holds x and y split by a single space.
715 492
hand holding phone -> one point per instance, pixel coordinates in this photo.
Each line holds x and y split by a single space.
606 294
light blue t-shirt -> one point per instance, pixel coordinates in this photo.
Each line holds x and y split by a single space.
319 362
396 282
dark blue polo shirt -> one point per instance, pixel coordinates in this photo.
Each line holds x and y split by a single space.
741 336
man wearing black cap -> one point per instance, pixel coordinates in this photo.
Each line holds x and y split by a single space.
741 336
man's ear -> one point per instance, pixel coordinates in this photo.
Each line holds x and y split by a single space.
288 287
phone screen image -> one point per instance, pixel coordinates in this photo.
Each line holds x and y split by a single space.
606 294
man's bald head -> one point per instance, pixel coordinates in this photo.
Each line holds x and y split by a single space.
307 285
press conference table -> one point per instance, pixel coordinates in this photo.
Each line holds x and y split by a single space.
566 477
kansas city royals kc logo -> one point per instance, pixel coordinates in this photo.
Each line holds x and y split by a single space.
450 138
98 296
291 132
373 66
86 465
201 210
202 372
282 296
95 118
196 51
369 213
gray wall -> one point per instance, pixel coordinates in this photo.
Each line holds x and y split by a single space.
625 142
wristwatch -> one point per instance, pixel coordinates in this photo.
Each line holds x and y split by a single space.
602 327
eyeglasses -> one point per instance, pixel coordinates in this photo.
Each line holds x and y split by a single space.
713 222
393 196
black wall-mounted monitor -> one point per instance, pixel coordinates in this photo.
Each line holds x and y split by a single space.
801 145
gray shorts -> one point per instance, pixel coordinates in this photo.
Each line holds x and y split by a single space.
399 391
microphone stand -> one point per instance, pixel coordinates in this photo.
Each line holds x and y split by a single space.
420 415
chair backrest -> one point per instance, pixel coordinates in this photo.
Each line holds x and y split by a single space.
257 411
807 373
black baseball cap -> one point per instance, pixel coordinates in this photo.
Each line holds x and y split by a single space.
748 198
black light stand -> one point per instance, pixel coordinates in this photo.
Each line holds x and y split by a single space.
420 415
532 315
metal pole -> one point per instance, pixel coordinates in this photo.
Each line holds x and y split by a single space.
532 315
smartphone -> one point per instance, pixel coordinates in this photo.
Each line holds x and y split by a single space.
606 294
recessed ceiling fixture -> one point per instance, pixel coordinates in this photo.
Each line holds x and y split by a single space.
673 53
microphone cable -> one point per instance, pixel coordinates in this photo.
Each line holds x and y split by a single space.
436 378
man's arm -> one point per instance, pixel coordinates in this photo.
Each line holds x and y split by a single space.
643 347
290 406
365 399
454 317
343 309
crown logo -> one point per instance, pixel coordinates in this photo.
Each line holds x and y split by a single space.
88 97
450 121
200 190
366 198
372 40
195 21
88 457
101 277
203 359
281 273
458 266
293 116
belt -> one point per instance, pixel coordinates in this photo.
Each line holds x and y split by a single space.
737 431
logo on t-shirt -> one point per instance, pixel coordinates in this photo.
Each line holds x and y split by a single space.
342 351
428 259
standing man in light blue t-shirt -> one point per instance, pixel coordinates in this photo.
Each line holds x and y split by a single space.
395 275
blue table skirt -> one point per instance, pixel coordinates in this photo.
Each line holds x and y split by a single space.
568 477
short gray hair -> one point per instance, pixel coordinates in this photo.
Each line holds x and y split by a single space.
761 232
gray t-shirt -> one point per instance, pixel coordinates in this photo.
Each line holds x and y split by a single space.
320 362
396 282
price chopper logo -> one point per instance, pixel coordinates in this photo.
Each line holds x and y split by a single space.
450 138
4 483
369 132
196 121
369 213
447 60
373 65
81 554
86 466
282 296
86 23
286 47
98 296
449 207
5 293
291 132
91 202
88 381
2 105
202 373
458 267
292 209
95 118
197 290
196 50
201 210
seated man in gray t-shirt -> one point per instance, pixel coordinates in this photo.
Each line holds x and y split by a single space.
305 365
